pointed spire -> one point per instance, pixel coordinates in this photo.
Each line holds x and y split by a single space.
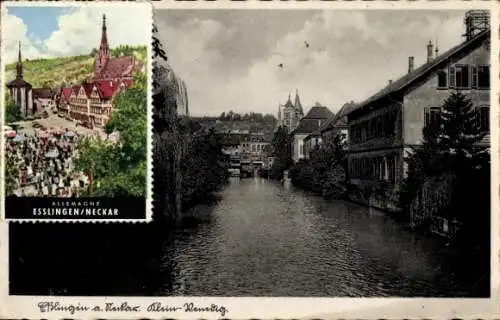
19 65
104 36
298 105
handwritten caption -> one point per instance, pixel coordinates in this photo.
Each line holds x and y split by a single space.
56 306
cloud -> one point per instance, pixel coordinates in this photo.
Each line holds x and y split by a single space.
16 31
352 54
79 30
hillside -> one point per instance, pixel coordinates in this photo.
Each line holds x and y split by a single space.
52 72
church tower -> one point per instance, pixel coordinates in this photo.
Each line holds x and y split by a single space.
298 105
19 64
19 90
103 54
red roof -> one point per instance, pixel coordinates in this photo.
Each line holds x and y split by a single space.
88 88
117 67
66 93
107 88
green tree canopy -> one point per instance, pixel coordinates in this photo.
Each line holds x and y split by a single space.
12 111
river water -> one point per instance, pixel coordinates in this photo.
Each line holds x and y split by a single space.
266 239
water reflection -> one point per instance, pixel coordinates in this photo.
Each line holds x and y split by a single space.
269 239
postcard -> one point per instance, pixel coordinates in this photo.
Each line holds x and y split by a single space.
77 131
309 160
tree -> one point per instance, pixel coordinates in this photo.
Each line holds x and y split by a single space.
450 147
120 169
93 52
460 132
282 146
12 111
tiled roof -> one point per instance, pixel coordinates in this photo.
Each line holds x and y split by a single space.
107 88
406 80
88 88
318 112
66 92
306 126
118 67
338 119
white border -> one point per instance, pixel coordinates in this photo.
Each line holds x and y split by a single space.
331 308
149 75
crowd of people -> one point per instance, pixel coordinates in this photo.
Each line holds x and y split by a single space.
45 164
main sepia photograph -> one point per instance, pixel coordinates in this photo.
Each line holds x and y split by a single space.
306 153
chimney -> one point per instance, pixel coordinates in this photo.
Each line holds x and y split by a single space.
411 64
389 82
429 51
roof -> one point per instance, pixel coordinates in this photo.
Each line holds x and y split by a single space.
43 93
117 67
338 119
318 112
107 88
306 126
18 83
409 78
66 92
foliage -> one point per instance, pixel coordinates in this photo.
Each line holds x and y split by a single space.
251 117
449 145
93 52
450 148
119 169
282 146
12 111
324 172
11 174
190 165
54 71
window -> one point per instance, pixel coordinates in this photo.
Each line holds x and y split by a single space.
391 168
442 79
462 76
432 116
485 118
483 77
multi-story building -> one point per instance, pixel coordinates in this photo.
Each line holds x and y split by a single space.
336 124
316 117
384 127
92 102
290 113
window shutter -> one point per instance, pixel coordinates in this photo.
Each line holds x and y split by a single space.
453 79
427 116
474 76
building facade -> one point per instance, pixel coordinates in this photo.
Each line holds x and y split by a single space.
20 91
313 120
383 128
289 114
91 103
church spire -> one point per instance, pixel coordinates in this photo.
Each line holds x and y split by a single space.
104 35
103 54
298 105
19 65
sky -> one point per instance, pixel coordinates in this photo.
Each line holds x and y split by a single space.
65 31
229 59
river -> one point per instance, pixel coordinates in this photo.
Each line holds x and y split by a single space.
266 239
